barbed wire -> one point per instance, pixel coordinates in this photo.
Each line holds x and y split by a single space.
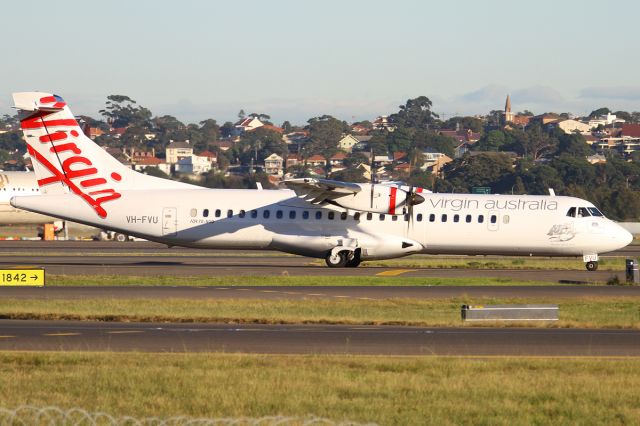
27 415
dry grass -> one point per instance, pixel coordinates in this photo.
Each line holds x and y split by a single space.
389 390
284 280
580 312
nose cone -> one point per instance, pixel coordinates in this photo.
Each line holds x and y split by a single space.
625 237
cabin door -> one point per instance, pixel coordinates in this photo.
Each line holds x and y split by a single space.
169 221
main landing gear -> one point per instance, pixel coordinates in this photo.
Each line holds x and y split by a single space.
343 258
591 266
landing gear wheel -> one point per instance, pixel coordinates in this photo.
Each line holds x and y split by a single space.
591 266
353 263
338 260
120 238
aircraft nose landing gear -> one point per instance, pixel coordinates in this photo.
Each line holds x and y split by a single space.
590 261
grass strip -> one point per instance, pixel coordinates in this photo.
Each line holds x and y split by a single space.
385 390
580 312
282 280
483 262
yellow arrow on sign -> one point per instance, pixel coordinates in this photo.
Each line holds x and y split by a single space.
22 277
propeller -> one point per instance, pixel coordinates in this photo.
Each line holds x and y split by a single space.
412 198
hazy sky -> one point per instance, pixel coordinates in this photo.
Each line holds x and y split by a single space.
299 59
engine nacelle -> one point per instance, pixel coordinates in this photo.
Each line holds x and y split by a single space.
383 199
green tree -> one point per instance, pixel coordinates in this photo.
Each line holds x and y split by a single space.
488 169
600 111
492 141
122 111
574 144
325 132
416 113
472 123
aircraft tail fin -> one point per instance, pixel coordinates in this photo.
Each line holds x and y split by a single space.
67 161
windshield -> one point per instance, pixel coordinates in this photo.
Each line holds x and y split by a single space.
595 212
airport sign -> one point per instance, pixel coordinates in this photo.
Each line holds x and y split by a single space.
22 277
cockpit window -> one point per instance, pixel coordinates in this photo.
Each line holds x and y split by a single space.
583 212
595 212
572 212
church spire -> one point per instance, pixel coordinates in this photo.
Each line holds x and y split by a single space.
508 115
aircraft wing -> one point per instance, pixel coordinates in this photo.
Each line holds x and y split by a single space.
317 191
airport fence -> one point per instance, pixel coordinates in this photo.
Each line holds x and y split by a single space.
54 416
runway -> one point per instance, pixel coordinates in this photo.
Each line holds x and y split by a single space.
152 259
316 339
317 292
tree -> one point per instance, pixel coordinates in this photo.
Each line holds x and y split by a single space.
492 141
325 132
264 118
600 111
416 113
286 127
487 169
574 145
242 115
121 111
472 123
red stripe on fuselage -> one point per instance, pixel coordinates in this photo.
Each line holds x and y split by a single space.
392 200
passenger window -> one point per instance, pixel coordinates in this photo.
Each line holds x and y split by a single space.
356 216
193 212
480 218
218 212
229 213
381 217
468 218
292 214
331 215
318 215
205 213
369 216
456 218
407 217
278 214
505 219
432 217
494 218
343 216
419 217
254 214
266 214
444 218
242 213
394 218
305 215
572 212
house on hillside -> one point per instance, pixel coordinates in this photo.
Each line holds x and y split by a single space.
572 126
247 124
193 164
347 143
317 161
178 150
273 165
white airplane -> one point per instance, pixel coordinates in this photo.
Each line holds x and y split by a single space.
344 223
19 184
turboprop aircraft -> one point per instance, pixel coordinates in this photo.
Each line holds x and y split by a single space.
344 223
20 183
